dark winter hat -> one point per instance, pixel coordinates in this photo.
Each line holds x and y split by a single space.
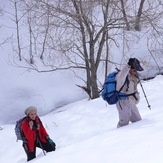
136 65
30 109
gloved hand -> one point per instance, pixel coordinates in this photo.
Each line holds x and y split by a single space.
51 142
131 62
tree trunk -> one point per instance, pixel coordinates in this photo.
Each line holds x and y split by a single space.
17 29
124 15
95 93
107 56
137 22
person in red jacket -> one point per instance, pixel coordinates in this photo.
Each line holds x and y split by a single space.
35 134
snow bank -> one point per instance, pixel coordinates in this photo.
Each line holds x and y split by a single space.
85 131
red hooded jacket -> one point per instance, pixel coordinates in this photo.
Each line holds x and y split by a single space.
30 135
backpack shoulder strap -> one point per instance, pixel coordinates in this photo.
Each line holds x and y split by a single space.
40 121
25 119
127 83
124 84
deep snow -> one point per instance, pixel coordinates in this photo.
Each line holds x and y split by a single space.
47 91
85 132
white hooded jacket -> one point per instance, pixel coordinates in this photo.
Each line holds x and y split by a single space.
129 88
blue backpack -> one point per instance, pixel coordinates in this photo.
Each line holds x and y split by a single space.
109 92
18 129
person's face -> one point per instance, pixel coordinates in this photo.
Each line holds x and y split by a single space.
132 71
32 115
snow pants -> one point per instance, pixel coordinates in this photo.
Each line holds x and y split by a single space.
31 155
127 113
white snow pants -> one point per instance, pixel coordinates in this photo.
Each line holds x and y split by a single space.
127 113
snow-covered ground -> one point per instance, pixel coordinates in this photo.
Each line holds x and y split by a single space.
85 132
47 91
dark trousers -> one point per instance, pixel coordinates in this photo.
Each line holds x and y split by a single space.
31 155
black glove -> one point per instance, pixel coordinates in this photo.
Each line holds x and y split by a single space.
131 62
51 142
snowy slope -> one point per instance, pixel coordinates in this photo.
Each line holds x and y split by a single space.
85 132
47 91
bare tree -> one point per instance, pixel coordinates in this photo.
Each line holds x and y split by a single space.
76 34
17 27
30 39
124 15
6 39
137 22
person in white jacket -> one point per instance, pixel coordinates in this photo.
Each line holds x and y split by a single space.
127 109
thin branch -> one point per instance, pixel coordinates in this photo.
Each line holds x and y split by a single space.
17 27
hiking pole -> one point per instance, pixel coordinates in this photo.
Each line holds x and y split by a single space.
40 144
135 65
149 106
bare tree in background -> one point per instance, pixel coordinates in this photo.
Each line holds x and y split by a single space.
6 39
124 15
17 31
75 34
72 35
147 17
138 17
155 39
